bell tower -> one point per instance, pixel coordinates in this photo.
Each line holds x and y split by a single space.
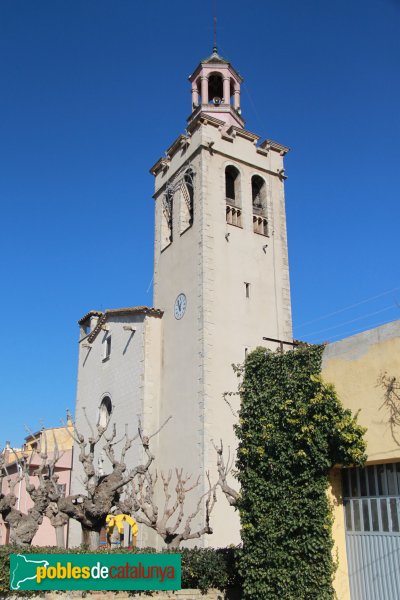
216 90
221 273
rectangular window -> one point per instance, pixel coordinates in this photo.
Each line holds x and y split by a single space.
378 508
107 348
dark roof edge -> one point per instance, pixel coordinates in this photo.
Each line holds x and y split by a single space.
132 310
91 313
148 310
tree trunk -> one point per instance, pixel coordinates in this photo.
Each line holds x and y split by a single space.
85 536
94 539
175 543
22 527
60 540
91 537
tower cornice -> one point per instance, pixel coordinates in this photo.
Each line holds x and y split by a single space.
227 133
223 109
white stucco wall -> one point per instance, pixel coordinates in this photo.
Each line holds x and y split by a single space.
122 377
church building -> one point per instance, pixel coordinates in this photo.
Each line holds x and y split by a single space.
221 288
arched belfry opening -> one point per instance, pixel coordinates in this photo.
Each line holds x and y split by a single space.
258 193
216 90
232 185
232 196
260 207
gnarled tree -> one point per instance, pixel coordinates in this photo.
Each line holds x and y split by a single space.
102 492
169 522
223 471
23 526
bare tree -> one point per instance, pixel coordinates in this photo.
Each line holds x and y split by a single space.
102 492
8 499
56 517
391 386
23 527
142 504
223 471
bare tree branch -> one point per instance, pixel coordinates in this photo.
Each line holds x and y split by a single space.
161 427
391 386
223 471
141 501
102 492
24 526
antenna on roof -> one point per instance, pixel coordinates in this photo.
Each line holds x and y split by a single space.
215 49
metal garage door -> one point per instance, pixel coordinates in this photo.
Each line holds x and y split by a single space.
371 499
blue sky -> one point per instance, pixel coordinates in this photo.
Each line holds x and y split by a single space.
94 91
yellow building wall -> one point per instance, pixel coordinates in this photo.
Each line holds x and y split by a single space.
354 365
56 435
341 581
63 437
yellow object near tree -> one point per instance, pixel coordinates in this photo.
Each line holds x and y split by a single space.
118 522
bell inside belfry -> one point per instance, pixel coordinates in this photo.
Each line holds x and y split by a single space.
215 89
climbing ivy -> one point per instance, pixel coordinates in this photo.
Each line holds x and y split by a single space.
292 430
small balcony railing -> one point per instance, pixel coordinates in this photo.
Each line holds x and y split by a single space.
260 224
233 214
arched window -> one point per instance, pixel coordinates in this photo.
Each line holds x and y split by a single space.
167 218
105 411
232 196
232 181
215 88
188 196
259 200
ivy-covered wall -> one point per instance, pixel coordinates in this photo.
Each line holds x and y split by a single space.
292 431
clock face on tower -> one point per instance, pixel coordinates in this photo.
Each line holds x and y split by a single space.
180 306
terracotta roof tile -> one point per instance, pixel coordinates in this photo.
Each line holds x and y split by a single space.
130 310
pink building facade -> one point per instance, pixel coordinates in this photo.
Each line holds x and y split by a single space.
45 535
